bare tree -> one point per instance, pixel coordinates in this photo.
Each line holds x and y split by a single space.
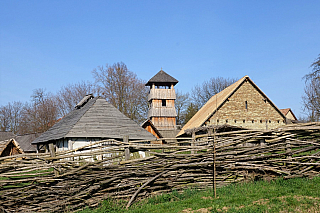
181 104
39 115
311 97
68 96
10 116
200 94
123 89
315 73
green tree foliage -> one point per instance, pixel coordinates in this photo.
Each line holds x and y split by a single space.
191 111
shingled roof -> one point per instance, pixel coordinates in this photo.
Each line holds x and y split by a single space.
95 119
162 77
25 142
6 135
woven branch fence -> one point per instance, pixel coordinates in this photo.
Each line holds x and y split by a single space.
72 180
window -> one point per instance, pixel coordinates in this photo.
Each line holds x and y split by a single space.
244 121
252 121
246 104
226 121
164 103
235 121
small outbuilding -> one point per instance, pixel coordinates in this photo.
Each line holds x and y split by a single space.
9 147
289 115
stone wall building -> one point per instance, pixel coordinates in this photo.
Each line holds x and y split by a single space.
242 104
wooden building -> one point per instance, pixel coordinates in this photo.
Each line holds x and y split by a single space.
9 147
148 125
162 112
93 119
242 104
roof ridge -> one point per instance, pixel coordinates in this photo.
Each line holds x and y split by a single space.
94 99
68 119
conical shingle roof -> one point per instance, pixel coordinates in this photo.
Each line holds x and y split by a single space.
162 78
97 118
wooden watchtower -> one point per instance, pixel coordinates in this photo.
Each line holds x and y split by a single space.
162 111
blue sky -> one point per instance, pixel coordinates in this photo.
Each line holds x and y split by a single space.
48 44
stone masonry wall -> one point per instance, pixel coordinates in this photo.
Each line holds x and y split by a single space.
248 108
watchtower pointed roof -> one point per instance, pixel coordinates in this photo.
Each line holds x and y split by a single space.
162 78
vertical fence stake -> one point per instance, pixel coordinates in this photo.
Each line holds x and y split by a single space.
126 150
53 154
214 164
193 141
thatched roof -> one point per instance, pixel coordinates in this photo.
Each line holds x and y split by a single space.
96 118
5 147
215 103
162 78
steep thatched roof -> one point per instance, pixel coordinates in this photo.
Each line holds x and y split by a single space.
96 118
215 103
6 147
162 78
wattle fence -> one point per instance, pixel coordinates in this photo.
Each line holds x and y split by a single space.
72 180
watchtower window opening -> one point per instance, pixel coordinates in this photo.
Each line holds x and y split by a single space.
164 102
246 104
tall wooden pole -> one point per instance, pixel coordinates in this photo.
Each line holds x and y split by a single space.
214 163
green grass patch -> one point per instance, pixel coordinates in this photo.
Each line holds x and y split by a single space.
294 195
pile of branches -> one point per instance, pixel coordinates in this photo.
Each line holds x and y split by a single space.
74 179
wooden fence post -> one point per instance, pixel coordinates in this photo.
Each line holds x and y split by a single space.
288 149
126 150
193 140
210 133
53 154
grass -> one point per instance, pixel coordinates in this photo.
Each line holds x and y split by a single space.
294 195
25 175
